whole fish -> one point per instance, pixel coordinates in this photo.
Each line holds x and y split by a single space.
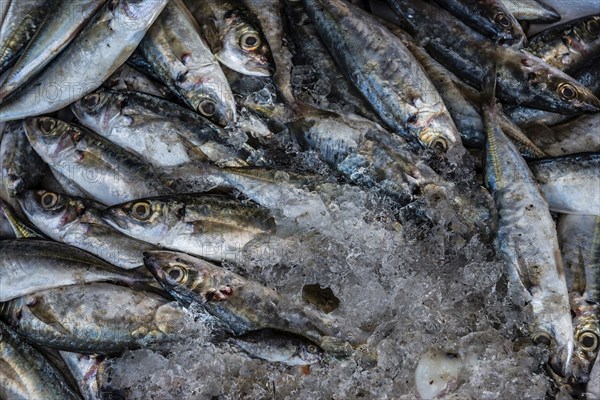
273 346
579 238
22 168
521 77
184 62
234 35
489 17
568 46
102 170
106 43
98 318
527 241
31 265
241 304
211 226
570 183
385 72
162 133
78 222
57 30
534 11
270 15
578 135
20 23
26 374
87 371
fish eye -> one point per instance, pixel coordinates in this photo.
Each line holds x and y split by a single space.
91 102
593 27
178 274
567 91
141 211
311 348
588 341
47 125
439 145
49 200
250 41
542 338
207 108
502 20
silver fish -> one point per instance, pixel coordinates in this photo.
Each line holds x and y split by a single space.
77 222
535 11
102 170
570 183
58 29
527 241
578 135
26 374
185 63
31 265
106 43
98 318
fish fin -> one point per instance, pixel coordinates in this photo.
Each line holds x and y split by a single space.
489 88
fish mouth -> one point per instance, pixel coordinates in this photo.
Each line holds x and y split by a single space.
153 266
560 361
114 217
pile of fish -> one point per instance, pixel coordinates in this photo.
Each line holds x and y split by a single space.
163 160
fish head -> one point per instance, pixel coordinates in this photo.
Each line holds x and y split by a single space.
587 345
97 110
586 31
508 29
557 335
434 127
176 273
51 138
243 47
214 102
571 96
52 210
133 15
307 353
146 219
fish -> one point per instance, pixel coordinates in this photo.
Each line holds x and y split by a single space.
234 36
4 6
22 168
57 30
106 43
522 78
26 374
570 45
103 171
285 348
593 386
269 14
579 239
242 305
385 72
527 240
575 136
77 222
490 18
570 183
212 226
185 63
534 11
97 318
21 21
162 133
32 265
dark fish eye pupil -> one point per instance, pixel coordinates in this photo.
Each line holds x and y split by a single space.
141 210
568 92
502 20
175 274
588 341
208 107
251 41
90 102
47 125
593 27
48 200
542 339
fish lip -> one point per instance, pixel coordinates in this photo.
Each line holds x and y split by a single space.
110 216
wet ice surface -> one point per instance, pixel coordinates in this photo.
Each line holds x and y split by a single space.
410 288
